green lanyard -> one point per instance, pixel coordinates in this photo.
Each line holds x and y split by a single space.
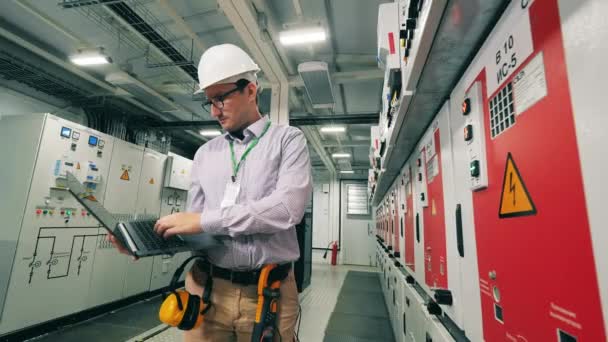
254 142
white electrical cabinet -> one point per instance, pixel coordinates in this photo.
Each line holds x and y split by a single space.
49 240
139 272
413 310
121 200
176 184
388 36
177 172
55 259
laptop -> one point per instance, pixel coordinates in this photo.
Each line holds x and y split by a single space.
137 236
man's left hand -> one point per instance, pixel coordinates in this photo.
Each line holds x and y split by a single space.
178 223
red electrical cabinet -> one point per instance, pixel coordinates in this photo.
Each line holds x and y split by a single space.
515 135
431 164
409 218
396 221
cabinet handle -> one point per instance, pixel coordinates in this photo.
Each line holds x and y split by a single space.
459 240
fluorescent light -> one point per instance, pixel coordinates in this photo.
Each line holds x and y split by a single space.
333 129
90 58
210 133
341 155
302 36
347 171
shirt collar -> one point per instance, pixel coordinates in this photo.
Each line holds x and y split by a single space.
255 128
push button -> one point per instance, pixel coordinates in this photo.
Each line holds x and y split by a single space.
474 168
468 133
466 106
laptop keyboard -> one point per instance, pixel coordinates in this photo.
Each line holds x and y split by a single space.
153 241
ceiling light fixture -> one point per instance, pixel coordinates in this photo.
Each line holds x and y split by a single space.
302 36
90 57
333 129
210 133
347 171
341 155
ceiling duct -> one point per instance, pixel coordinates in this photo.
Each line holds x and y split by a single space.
144 28
318 84
139 90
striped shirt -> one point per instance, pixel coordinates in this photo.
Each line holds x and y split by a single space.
275 186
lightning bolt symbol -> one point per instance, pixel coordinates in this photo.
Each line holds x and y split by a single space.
512 186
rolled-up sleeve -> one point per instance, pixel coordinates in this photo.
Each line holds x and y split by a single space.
282 209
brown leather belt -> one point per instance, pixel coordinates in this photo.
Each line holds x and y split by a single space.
241 277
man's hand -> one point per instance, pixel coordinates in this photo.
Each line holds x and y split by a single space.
178 223
120 247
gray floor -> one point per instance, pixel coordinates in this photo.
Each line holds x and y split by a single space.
119 325
360 313
139 322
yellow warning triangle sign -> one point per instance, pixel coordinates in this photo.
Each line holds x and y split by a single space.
151 181
514 200
125 175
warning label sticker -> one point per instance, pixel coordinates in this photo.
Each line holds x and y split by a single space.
514 200
125 175
530 84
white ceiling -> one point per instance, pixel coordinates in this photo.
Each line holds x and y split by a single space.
351 25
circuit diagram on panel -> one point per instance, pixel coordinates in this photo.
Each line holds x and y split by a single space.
53 254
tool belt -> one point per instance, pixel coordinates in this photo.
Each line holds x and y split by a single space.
242 277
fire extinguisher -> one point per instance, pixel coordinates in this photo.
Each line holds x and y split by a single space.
334 252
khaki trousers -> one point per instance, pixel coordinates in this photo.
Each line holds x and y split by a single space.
232 315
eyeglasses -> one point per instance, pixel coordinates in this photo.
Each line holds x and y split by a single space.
218 101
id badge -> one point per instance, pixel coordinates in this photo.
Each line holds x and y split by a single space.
230 194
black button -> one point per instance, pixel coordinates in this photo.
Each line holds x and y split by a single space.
468 132
410 24
466 106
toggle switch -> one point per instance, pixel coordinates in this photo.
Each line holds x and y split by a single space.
468 132
466 107
422 197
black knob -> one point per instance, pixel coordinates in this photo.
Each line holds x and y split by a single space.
434 308
391 256
390 248
443 297
410 280
397 254
397 263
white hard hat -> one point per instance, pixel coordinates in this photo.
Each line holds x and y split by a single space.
225 63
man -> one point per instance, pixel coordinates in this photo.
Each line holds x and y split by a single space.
249 187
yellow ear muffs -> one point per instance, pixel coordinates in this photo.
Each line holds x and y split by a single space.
182 309
170 312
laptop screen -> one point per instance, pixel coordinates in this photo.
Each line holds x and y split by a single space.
93 206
